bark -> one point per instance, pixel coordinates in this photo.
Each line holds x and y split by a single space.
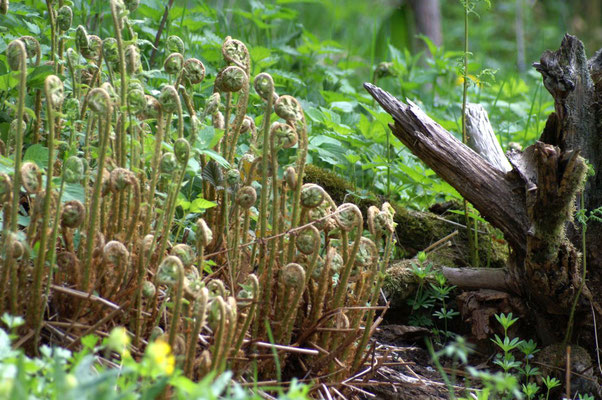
532 204
427 15
481 137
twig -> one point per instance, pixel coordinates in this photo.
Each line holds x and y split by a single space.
290 349
459 225
596 337
568 372
84 295
160 32
96 325
440 241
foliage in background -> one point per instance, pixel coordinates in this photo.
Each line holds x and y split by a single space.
348 133
162 188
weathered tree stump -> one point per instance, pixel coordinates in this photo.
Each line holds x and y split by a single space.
534 201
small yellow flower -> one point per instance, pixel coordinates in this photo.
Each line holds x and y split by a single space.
471 78
160 356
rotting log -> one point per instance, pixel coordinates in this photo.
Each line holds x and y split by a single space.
481 137
534 202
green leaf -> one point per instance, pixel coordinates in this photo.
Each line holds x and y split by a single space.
200 204
74 191
35 78
38 154
208 137
217 157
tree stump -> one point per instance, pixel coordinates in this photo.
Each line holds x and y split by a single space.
533 202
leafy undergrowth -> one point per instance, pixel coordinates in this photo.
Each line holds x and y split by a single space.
87 374
151 177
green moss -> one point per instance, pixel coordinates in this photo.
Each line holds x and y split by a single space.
416 230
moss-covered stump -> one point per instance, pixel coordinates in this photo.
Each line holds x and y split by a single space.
417 230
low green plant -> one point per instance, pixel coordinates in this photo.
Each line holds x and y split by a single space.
518 377
550 383
60 373
505 359
432 292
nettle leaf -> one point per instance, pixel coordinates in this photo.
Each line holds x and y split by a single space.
33 29
208 137
7 165
36 77
31 113
344 106
38 154
73 191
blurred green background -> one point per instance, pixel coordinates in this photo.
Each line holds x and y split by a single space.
322 51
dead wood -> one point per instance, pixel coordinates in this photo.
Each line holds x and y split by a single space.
532 203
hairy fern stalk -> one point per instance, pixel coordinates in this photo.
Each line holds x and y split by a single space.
99 236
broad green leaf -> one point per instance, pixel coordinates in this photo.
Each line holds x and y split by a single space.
38 154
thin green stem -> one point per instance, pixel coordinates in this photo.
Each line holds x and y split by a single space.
104 131
22 54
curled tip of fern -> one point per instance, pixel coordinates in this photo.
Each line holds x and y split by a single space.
120 178
16 54
312 195
133 64
169 99
135 97
99 101
182 150
173 63
174 44
290 177
285 136
264 85
81 38
94 49
64 18
348 216
293 275
55 91
32 46
185 253
367 253
72 215
204 233
16 248
246 197
31 177
110 50
169 271
235 52
148 290
193 71
231 79
6 187
152 109
308 240
288 108
169 163
116 253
